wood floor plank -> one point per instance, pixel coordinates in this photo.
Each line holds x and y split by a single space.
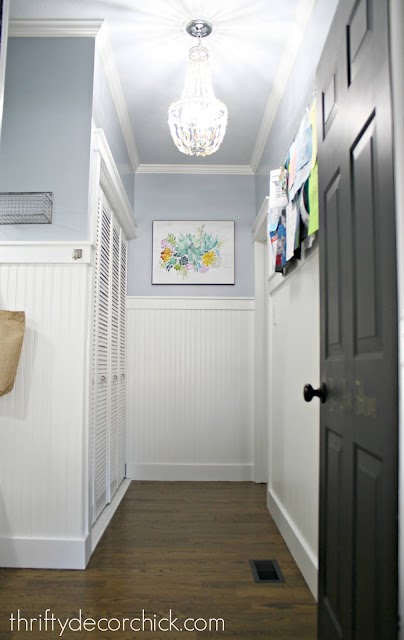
181 546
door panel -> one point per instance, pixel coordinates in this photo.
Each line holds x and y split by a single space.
332 591
358 33
366 263
359 421
333 241
367 614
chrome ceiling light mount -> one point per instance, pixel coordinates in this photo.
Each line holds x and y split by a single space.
198 119
199 28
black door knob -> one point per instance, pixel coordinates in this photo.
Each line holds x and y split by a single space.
309 393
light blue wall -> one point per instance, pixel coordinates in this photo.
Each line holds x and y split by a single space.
46 133
298 94
106 117
192 197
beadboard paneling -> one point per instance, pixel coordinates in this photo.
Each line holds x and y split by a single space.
293 319
190 389
42 452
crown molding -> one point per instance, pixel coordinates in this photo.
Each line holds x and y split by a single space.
105 50
52 28
198 169
289 55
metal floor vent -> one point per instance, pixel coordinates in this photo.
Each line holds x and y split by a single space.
26 207
266 571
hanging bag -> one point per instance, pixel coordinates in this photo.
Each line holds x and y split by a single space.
12 328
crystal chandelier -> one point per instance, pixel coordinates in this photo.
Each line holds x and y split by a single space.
198 119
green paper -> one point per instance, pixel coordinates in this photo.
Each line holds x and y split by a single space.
313 201
313 122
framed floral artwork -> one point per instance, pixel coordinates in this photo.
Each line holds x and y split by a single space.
193 252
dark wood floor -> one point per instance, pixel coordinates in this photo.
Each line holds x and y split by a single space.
180 546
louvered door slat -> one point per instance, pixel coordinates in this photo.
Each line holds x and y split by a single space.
122 364
114 274
99 430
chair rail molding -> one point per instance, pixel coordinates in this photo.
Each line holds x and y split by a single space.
51 252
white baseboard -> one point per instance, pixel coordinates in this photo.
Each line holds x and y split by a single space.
43 553
190 472
298 547
58 553
106 516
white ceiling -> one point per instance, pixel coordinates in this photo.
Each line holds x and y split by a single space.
252 48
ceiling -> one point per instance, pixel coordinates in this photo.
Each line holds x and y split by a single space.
252 48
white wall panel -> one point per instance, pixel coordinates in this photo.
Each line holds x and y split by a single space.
294 360
190 389
42 452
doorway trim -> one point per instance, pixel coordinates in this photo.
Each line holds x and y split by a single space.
261 444
397 70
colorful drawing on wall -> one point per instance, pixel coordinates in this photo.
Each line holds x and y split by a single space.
193 252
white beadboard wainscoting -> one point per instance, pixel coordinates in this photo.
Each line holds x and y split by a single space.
43 465
190 388
294 360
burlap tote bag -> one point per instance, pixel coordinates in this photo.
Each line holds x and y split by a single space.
12 328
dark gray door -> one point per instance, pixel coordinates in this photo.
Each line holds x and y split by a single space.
359 420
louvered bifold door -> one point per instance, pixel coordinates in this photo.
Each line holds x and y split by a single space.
101 339
115 316
122 363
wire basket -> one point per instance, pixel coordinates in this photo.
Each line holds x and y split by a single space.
26 208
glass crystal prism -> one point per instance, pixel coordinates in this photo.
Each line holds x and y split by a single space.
198 119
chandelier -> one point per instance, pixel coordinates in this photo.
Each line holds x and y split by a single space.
198 119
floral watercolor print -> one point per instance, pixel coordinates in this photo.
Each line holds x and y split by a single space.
188 252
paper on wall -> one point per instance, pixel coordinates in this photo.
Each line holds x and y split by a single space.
313 201
277 195
280 262
304 214
273 244
291 221
273 218
303 152
313 122
292 170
